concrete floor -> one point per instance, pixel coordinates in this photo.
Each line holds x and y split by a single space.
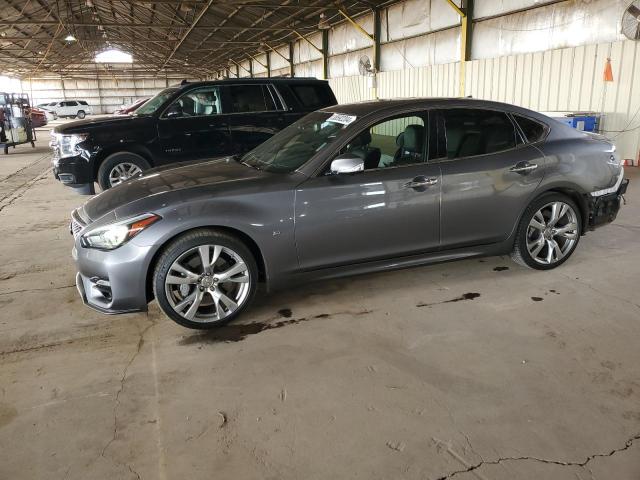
536 377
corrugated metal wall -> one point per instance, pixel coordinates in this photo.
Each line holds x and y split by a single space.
105 95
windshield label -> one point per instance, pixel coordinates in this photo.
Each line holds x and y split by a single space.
342 118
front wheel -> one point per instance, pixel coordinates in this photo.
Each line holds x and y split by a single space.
548 232
204 279
120 167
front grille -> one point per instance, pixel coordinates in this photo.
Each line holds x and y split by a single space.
76 225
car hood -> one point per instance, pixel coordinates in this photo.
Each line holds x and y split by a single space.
212 176
118 123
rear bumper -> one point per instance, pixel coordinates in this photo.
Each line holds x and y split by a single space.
603 209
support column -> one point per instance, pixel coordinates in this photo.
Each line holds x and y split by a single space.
291 66
325 54
268 56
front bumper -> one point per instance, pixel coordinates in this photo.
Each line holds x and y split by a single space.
603 209
75 172
113 281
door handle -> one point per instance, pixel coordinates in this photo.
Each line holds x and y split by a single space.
523 167
421 182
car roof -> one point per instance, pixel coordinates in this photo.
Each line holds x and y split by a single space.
245 80
361 109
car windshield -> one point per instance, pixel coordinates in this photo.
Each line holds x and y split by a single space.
156 102
295 145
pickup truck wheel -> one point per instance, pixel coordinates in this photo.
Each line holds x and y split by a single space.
548 233
204 279
120 167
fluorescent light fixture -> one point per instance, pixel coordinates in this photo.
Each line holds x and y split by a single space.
113 56
69 38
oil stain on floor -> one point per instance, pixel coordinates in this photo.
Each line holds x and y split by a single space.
464 296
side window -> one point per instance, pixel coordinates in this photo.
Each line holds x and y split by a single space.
82 102
312 97
250 98
72 104
533 131
392 143
196 103
469 132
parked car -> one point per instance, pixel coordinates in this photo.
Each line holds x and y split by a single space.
346 190
51 115
38 117
186 122
71 109
127 109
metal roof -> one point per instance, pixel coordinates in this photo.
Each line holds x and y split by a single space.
197 37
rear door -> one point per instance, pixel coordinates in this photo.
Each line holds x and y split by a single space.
390 209
489 175
194 127
254 114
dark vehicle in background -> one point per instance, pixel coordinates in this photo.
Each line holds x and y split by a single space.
346 190
127 109
191 121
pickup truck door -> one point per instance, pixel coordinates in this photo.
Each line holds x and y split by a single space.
194 127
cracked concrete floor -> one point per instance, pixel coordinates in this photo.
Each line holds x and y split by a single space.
535 377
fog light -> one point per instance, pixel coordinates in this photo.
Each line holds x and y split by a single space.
67 178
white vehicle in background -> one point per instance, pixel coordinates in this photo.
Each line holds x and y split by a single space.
71 108
46 108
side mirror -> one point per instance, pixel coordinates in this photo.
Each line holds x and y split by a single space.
347 163
175 110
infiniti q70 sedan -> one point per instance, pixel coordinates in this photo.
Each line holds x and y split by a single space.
349 189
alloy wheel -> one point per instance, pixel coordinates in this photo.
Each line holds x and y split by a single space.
207 283
122 172
552 233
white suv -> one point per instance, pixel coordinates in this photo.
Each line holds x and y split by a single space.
71 108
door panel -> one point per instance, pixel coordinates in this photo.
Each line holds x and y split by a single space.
196 129
343 219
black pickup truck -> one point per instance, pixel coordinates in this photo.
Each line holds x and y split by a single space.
190 121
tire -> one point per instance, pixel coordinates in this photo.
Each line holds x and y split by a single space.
540 241
113 164
186 252
81 114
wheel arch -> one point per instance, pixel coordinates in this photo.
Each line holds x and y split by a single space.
575 195
128 148
242 236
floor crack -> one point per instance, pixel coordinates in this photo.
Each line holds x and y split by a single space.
123 380
583 464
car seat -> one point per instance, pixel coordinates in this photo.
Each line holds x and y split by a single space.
360 147
412 140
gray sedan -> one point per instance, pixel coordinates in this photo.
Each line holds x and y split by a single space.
346 190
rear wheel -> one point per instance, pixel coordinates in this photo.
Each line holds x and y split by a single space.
120 167
548 233
204 279
81 114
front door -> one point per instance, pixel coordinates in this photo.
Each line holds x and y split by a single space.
194 127
390 209
489 175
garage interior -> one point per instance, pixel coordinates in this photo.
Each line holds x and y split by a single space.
473 369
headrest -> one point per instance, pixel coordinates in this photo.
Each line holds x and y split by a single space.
400 140
413 138
363 139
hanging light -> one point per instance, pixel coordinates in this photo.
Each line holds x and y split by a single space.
323 24
70 38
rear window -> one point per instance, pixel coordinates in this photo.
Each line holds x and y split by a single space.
313 97
82 102
251 98
533 131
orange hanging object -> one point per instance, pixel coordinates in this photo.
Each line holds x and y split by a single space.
608 72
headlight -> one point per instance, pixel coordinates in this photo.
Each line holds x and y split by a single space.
108 237
67 144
